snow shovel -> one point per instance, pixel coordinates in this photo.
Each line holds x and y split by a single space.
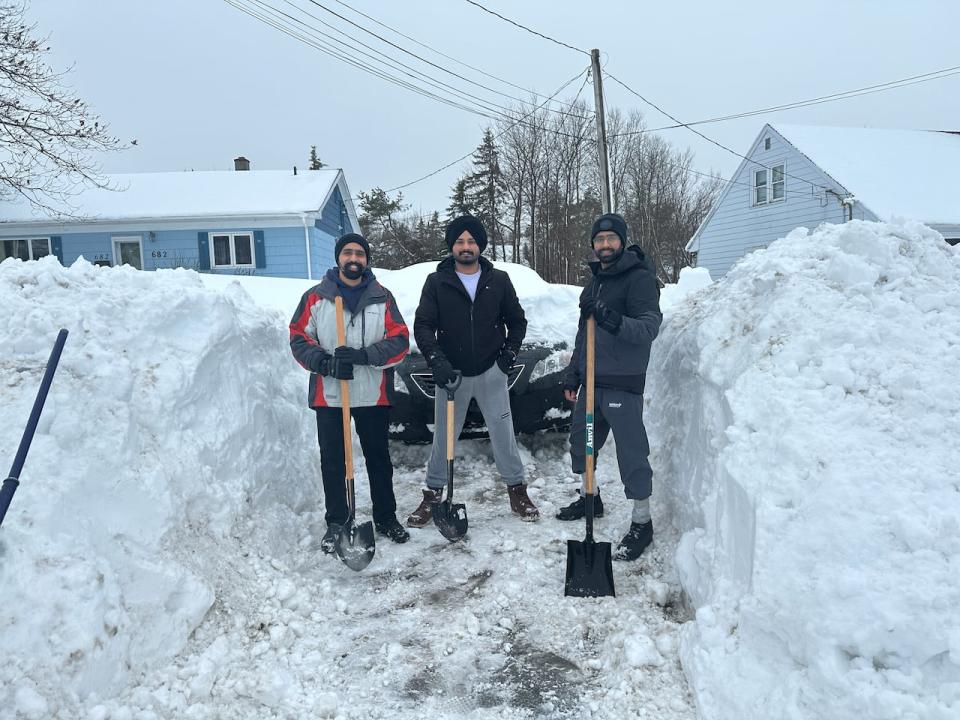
450 518
355 544
13 481
589 563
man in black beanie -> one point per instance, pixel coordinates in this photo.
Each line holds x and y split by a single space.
470 321
376 339
624 298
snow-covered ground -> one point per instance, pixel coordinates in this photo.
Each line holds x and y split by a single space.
160 558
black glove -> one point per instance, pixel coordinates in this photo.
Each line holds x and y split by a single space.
355 356
443 372
505 360
607 318
321 364
341 369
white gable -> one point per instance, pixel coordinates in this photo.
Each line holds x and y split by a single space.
912 174
196 194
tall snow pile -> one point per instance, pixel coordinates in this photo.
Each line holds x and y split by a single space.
171 414
804 412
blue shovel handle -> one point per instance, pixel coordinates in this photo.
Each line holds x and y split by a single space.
11 483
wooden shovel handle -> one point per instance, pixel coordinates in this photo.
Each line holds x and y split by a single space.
345 403
591 340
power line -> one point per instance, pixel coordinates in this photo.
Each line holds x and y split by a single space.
496 137
708 139
418 57
868 90
442 54
529 30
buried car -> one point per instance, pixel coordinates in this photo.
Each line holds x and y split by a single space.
536 396
535 380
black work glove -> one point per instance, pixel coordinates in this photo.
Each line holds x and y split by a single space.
341 368
443 372
607 318
355 356
321 364
505 360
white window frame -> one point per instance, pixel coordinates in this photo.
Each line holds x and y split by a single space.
233 249
115 241
768 174
29 242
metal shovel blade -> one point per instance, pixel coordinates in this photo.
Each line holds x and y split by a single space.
589 569
356 544
450 519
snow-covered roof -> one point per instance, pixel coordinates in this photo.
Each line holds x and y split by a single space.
911 174
196 194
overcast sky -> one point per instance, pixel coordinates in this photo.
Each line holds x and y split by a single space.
197 82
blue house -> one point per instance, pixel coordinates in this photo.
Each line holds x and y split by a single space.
802 176
275 223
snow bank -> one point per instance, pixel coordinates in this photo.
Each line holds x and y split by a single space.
175 411
803 414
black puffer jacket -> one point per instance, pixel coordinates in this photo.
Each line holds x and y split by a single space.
629 287
469 334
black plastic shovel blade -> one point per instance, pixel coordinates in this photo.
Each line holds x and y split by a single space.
589 569
450 519
356 544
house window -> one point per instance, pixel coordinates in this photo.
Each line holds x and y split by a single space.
769 185
231 250
766 143
26 249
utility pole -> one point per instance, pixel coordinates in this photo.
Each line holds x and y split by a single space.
601 130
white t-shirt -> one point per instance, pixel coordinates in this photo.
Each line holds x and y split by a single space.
470 283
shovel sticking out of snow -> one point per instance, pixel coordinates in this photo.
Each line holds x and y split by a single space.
13 481
589 563
450 518
355 544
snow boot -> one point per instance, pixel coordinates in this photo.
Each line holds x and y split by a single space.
393 530
421 516
577 509
328 542
634 542
521 504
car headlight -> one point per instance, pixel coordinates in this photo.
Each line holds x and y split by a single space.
398 384
553 363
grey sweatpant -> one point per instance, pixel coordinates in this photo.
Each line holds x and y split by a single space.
491 394
622 412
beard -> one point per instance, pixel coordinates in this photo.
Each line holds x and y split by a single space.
608 256
352 270
466 257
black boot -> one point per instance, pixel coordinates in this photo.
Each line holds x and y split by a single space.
328 542
393 530
577 509
635 541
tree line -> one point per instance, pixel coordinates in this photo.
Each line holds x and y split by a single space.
535 184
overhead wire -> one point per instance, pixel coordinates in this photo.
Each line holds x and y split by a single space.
529 30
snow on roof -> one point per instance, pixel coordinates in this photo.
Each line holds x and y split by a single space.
911 174
194 194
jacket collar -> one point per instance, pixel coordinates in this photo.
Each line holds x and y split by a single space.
449 265
329 287
633 258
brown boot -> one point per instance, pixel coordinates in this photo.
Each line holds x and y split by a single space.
521 503
421 516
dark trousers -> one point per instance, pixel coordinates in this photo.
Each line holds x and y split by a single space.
372 424
622 412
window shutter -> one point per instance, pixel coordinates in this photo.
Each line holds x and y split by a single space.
203 249
259 248
56 247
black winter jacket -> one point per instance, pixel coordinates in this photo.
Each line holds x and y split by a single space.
469 334
629 287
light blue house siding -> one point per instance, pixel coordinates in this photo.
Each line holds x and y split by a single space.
737 226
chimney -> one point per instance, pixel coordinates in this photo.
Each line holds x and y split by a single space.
241 163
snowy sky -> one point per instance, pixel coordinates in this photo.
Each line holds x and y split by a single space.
197 82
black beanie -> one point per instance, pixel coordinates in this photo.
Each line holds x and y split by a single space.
610 222
466 222
346 240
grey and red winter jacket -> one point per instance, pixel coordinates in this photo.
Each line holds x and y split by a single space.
376 325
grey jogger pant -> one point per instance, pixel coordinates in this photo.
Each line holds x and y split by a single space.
622 412
491 393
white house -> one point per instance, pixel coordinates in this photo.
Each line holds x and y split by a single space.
803 176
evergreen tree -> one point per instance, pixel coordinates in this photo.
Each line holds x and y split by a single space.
315 163
483 189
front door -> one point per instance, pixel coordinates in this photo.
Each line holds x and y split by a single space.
128 251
